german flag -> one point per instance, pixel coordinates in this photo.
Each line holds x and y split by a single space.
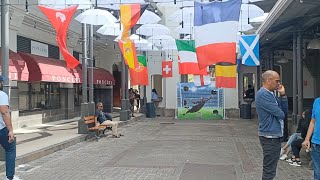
226 76
130 14
129 53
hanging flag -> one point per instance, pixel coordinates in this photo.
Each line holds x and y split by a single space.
216 27
226 76
166 69
201 80
60 20
249 48
129 16
139 75
188 63
129 53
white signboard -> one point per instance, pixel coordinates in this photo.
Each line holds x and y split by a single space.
39 49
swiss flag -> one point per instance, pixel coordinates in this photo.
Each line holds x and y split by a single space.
166 69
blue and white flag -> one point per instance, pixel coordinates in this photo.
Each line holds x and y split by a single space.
249 49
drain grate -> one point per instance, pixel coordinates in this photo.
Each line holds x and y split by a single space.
167 123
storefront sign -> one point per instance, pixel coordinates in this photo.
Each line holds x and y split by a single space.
104 82
39 49
64 79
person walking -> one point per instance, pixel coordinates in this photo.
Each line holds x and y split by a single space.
6 134
271 112
314 131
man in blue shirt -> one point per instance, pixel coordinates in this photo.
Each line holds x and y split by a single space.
314 128
7 140
271 112
105 119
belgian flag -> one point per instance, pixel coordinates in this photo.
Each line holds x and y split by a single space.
130 14
139 75
226 76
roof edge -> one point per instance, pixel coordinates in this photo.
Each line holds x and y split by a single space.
273 15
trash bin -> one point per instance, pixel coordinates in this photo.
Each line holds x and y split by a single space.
245 111
150 110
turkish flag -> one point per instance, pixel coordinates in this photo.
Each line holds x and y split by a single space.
60 20
166 69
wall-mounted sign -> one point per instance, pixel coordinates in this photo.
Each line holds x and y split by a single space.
39 49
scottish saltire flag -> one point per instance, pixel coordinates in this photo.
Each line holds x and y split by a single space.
249 49
216 27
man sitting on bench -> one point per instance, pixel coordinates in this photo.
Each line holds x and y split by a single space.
106 119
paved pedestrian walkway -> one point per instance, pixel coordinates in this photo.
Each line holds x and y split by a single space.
165 149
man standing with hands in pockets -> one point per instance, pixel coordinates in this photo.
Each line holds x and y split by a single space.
271 112
314 128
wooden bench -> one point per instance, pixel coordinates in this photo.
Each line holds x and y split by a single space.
94 131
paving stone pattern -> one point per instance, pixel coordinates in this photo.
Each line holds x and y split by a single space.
154 149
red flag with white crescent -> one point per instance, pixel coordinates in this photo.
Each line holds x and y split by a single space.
60 20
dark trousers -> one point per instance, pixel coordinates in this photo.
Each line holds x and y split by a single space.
271 153
10 149
296 147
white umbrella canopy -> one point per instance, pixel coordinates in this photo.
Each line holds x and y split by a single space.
146 47
260 18
185 14
149 17
250 11
153 29
184 3
170 47
160 40
136 39
115 4
244 27
187 29
60 4
112 29
250 1
96 17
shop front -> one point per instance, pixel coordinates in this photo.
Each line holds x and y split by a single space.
103 82
51 93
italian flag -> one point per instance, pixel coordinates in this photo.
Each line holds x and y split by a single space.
188 63
139 75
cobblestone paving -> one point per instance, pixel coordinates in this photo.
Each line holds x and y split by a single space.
158 150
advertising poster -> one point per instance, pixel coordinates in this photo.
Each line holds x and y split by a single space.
200 102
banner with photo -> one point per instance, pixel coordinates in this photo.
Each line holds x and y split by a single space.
200 102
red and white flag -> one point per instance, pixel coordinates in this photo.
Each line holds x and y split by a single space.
60 20
166 69
201 80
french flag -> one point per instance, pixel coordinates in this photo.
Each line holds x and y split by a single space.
216 27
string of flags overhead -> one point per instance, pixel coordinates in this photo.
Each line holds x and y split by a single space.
215 43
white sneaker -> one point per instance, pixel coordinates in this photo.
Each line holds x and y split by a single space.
284 157
296 163
281 151
290 160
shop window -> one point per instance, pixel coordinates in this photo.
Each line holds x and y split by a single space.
33 96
